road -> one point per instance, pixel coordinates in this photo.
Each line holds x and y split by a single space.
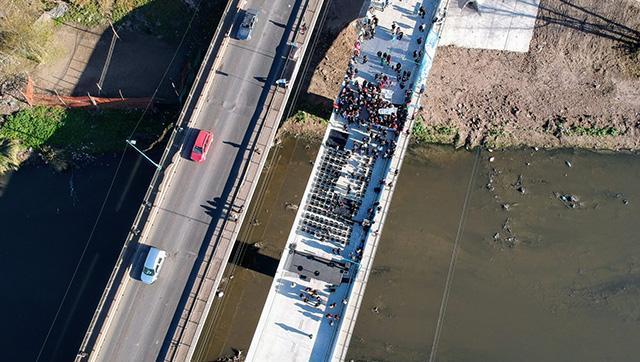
189 211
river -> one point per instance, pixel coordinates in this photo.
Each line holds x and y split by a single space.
46 220
547 264
536 278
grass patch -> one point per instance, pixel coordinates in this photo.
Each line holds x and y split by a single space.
302 117
304 124
440 134
90 131
492 139
23 41
86 13
593 131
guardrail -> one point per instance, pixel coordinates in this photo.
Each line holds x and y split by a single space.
154 191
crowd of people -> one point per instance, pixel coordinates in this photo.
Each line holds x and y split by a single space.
313 297
362 104
369 27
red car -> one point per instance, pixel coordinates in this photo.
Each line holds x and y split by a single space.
201 146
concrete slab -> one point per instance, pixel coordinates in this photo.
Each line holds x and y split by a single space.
495 24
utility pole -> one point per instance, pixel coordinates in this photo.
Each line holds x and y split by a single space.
132 143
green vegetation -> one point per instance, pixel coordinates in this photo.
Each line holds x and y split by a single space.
441 134
162 17
9 155
492 140
23 41
91 131
302 117
304 124
592 131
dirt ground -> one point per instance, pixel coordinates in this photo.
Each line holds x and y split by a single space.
324 73
578 86
330 57
82 57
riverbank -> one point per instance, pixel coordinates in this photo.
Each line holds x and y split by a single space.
166 38
324 71
65 137
577 87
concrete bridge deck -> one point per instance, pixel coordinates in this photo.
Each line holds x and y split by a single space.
315 297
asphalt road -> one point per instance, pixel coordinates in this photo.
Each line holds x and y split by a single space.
183 219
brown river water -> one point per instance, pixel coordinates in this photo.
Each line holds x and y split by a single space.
546 266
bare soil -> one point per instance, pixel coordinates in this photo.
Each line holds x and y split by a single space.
322 78
83 55
328 75
578 86
329 57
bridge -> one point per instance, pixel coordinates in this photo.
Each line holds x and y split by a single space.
315 297
194 211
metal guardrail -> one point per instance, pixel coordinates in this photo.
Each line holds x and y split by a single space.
101 314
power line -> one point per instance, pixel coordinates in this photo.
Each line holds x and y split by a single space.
452 262
115 175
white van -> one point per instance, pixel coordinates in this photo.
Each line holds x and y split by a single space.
152 265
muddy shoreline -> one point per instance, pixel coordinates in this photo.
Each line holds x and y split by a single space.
313 130
576 87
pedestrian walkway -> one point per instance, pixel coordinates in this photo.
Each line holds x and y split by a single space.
338 224
491 24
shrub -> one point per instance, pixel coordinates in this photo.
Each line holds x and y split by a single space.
441 134
9 155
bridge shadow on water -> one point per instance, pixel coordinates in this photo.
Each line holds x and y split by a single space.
248 256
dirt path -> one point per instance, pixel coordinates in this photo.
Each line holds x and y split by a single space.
578 86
